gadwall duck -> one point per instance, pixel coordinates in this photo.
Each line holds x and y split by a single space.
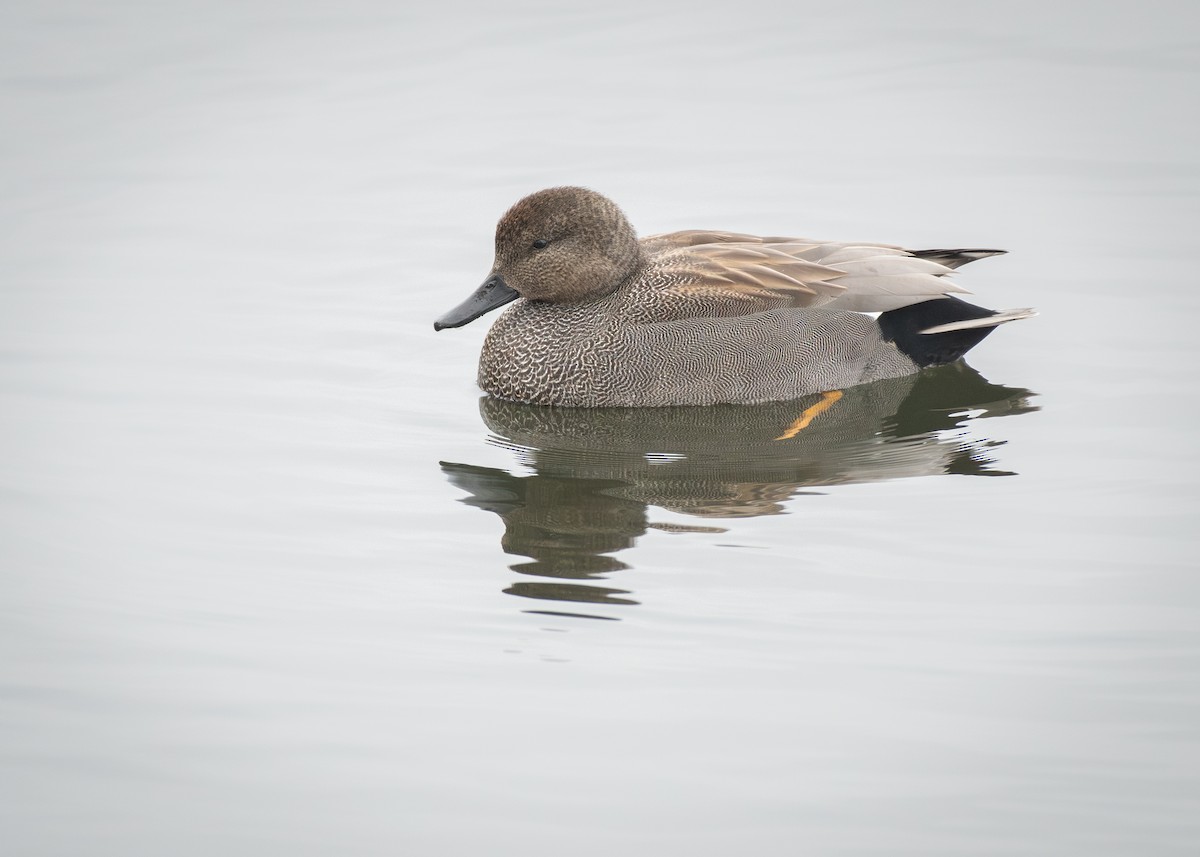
604 319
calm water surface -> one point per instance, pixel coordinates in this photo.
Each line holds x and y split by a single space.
276 580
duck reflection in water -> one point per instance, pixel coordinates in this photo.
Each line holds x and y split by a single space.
598 470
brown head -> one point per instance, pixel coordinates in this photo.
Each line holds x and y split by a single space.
560 245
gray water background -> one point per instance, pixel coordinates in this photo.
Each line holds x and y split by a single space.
270 584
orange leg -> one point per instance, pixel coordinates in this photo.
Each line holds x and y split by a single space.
811 413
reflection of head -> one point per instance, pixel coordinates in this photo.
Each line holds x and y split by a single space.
566 526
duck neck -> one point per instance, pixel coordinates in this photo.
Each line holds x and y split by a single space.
629 268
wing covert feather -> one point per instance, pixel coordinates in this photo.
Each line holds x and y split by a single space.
764 273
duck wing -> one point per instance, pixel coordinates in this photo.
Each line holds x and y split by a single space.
760 273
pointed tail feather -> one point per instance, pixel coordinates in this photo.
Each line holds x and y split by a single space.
1001 317
956 258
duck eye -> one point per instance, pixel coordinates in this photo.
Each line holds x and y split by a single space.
540 243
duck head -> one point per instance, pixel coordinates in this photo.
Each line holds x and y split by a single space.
560 245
